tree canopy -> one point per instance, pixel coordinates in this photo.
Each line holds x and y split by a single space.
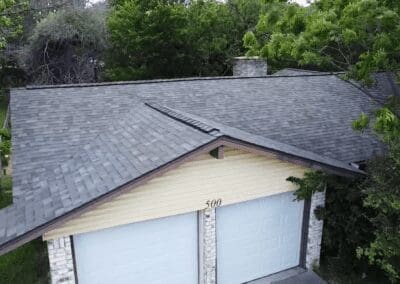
153 39
382 190
10 20
65 47
358 36
11 27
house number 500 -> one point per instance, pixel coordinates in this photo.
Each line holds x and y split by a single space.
214 203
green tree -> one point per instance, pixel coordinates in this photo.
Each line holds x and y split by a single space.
11 28
148 39
346 224
382 190
212 45
161 39
66 47
359 36
10 20
245 14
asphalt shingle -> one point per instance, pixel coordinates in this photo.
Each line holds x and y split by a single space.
122 152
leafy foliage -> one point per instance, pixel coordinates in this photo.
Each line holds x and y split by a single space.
312 182
359 37
361 123
347 224
5 145
5 135
382 190
245 14
11 28
66 46
10 20
40 9
5 184
148 39
362 216
210 41
346 227
161 39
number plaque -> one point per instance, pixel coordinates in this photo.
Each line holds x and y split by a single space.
214 203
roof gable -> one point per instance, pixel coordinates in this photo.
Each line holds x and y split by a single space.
239 176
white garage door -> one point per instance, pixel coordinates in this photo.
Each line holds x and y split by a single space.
157 251
258 238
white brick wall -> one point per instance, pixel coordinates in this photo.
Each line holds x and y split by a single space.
61 261
208 246
314 232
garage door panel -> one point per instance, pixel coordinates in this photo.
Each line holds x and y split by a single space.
258 238
157 251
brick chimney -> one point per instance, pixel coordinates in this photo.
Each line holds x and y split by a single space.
249 66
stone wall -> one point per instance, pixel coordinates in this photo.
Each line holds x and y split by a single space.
61 261
314 232
207 246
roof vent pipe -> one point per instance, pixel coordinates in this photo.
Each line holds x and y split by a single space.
249 66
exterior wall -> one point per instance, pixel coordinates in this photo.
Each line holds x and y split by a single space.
314 232
249 67
207 246
240 176
61 261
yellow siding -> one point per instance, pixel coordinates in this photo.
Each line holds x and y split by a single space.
240 176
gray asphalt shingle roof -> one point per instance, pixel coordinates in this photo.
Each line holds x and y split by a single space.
72 145
384 86
297 72
313 113
136 143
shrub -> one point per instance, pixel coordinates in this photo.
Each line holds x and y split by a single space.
66 47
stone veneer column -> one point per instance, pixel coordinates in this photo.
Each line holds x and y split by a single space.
207 246
61 261
314 231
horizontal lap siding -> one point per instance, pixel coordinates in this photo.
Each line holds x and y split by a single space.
240 176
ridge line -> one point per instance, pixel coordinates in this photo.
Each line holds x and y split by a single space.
157 81
201 126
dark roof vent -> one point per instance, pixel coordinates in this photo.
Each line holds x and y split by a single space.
184 119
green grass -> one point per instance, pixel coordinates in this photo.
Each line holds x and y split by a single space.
3 108
5 199
28 263
5 191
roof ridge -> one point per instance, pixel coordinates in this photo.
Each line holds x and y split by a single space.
236 133
157 81
184 119
313 71
358 86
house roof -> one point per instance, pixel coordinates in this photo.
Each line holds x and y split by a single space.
74 146
299 72
383 87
